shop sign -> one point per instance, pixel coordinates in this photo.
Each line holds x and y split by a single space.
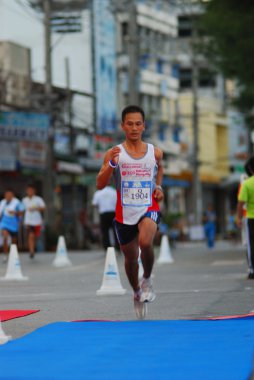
24 126
32 154
8 156
102 144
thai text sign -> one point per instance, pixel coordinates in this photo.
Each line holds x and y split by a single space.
24 126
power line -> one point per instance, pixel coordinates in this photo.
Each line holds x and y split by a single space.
27 9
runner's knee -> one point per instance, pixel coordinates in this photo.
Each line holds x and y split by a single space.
145 244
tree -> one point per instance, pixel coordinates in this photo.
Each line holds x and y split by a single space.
230 45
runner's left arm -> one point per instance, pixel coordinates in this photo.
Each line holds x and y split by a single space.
109 163
158 193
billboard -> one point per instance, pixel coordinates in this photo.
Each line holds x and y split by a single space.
105 67
24 126
32 154
8 156
102 144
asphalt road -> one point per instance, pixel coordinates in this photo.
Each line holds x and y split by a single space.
200 283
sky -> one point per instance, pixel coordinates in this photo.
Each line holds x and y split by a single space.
21 24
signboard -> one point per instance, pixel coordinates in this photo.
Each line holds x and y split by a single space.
32 154
105 66
8 156
24 126
102 144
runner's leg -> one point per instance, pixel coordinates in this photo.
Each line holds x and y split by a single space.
147 231
5 234
131 252
31 242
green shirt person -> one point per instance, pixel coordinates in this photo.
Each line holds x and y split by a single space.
246 198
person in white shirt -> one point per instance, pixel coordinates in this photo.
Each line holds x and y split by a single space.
105 200
34 206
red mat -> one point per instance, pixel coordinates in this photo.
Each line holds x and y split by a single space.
249 315
6 315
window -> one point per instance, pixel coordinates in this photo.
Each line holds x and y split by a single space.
206 78
185 78
184 26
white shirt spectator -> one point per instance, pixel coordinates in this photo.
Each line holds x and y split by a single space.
105 199
33 217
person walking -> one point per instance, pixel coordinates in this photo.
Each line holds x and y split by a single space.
246 198
105 200
34 206
11 210
137 170
209 219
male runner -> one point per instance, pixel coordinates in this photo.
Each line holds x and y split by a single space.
137 170
34 206
246 198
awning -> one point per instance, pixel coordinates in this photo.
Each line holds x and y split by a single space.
69 167
172 182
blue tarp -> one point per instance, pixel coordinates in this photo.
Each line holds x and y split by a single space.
158 350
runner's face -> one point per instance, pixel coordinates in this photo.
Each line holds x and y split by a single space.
8 195
30 191
133 126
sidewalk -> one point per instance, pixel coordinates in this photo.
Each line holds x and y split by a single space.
220 245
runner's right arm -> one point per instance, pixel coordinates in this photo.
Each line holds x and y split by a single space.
103 177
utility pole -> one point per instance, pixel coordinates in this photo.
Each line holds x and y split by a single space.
92 16
90 212
196 185
49 181
133 53
74 193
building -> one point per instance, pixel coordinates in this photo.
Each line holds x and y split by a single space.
147 76
202 87
22 58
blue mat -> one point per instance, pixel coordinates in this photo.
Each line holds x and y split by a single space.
158 350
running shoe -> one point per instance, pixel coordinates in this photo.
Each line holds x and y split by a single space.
147 294
139 307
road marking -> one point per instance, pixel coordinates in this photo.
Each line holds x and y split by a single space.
227 262
27 295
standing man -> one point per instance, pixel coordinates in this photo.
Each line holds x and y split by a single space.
137 170
105 200
210 226
246 197
34 206
10 211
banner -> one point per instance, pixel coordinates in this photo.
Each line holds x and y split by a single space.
8 156
24 126
32 154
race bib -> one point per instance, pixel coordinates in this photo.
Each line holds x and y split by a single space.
136 193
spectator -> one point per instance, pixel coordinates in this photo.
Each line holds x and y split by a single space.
209 219
105 200
232 227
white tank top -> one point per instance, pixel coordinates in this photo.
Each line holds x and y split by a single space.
135 183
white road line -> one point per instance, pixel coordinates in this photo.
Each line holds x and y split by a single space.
227 262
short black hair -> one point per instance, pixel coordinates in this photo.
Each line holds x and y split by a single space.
132 109
32 185
249 166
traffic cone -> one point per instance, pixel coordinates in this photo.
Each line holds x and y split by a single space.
61 257
165 252
13 271
111 283
3 337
